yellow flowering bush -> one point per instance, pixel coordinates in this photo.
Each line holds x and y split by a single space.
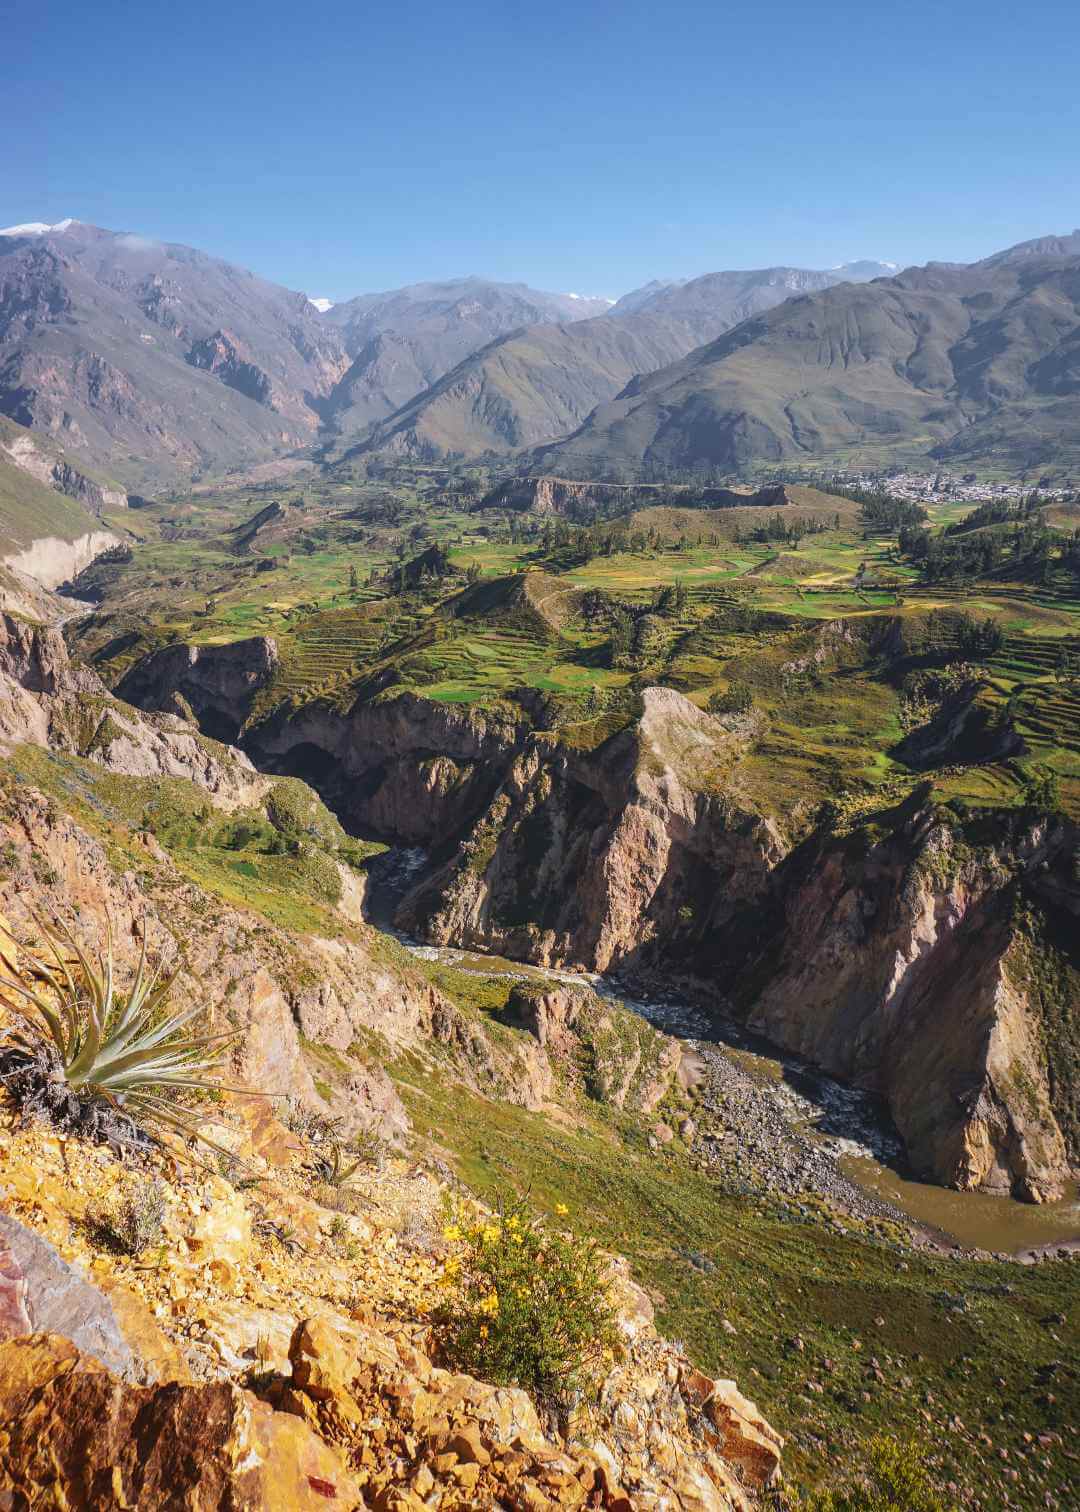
525 1305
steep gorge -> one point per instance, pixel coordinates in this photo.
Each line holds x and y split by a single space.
890 954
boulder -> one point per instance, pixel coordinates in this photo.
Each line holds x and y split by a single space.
42 1293
72 1434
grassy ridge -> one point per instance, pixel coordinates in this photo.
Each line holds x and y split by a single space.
913 1343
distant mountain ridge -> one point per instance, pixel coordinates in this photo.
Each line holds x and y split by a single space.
970 363
158 363
404 340
525 387
535 384
154 360
729 297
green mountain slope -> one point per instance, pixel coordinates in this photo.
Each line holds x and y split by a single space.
943 360
30 507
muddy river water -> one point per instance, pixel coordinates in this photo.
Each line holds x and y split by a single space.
850 1123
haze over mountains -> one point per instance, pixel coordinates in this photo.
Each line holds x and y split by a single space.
156 363
402 341
974 363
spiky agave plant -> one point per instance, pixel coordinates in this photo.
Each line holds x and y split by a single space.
107 1064
334 1170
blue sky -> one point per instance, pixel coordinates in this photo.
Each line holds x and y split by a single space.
588 147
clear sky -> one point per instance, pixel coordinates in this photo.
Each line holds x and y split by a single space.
588 146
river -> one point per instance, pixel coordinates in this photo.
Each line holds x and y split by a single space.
781 1092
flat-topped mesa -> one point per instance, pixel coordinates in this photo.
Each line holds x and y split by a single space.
575 500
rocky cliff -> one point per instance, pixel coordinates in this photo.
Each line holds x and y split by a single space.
585 500
887 956
52 560
35 457
403 766
898 956
46 700
595 859
215 684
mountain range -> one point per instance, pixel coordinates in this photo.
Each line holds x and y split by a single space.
161 364
537 383
403 341
970 363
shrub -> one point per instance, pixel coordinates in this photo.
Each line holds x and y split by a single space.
333 1169
737 699
525 1305
131 1220
894 1480
307 1124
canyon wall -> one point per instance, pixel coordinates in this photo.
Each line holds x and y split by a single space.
583 501
891 956
51 560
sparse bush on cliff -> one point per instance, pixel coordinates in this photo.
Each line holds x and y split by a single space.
894 1479
132 1219
526 1305
97 1062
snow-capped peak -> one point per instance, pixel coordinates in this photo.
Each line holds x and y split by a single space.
35 228
592 298
322 305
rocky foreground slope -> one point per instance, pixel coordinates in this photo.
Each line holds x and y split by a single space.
277 1348
280 1354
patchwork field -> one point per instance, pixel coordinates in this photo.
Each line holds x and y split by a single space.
317 565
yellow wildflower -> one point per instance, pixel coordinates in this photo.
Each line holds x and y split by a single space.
490 1233
489 1305
562 1209
483 1330
451 1231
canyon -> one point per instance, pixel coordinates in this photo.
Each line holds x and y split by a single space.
893 954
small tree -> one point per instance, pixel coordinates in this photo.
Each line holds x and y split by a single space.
738 698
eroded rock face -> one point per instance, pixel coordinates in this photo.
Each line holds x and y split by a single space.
275 989
863 956
247 977
580 500
898 965
411 769
593 860
55 472
218 683
620 1058
46 700
72 1433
